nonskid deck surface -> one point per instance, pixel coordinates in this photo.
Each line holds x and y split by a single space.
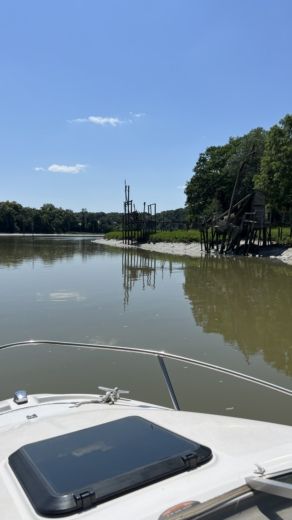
239 447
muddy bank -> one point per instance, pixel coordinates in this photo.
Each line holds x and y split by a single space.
193 249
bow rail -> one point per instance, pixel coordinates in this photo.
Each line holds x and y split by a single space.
160 356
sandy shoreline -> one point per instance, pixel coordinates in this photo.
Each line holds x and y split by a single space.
194 249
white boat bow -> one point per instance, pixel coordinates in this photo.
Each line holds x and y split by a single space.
233 457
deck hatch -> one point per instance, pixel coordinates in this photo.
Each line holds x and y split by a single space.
81 469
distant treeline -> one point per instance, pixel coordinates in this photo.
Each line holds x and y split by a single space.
264 160
15 218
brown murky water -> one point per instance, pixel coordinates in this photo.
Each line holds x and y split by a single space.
234 312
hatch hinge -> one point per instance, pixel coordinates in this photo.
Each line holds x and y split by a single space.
190 460
85 499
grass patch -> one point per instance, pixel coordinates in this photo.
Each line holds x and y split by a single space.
114 235
180 235
282 236
193 235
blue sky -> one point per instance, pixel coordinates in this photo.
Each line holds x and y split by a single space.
94 92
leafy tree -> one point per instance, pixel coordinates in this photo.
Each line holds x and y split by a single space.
10 217
206 190
246 160
172 219
275 175
70 221
49 218
210 189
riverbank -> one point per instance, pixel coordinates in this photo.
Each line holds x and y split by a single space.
193 249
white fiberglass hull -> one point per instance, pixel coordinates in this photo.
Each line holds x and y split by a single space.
239 447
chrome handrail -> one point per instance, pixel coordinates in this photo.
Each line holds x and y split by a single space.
161 356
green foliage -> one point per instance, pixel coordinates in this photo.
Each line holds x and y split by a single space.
282 236
203 188
275 175
264 160
193 235
15 218
114 235
209 190
180 235
172 219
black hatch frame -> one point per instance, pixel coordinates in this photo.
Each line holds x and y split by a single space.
78 470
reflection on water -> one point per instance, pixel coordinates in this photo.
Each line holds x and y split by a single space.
234 312
15 250
140 266
136 266
248 302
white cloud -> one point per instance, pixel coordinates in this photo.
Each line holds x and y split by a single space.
64 168
181 187
107 120
99 120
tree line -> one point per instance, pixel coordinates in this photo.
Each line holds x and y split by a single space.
15 218
264 160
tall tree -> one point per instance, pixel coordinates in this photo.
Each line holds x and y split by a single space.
207 183
11 217
275 175
210 189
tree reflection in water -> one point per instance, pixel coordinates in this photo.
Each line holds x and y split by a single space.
15 250
247 301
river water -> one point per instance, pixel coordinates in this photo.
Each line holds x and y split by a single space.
233 312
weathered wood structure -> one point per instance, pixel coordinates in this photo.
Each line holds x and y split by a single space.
239 228
137 225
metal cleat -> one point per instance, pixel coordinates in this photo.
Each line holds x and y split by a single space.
111 394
